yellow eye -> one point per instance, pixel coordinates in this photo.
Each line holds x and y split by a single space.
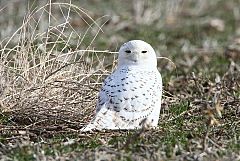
128 51
144 51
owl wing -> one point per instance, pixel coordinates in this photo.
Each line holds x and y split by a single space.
107 115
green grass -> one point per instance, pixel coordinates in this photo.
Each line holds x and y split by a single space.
3 119
179 108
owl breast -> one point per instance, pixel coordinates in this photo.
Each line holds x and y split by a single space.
133 93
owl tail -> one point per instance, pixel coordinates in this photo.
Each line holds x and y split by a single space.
89 127
100 122
106 119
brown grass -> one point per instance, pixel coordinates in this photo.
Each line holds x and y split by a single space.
45 81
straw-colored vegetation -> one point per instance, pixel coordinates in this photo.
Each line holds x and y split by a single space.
55 54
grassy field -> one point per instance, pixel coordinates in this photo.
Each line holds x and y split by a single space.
55 54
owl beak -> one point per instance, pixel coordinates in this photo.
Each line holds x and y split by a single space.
134 56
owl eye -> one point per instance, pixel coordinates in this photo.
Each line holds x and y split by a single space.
128 51
144 51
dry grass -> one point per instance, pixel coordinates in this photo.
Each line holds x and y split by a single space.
50 74
47 86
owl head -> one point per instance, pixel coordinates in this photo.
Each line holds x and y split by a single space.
138 53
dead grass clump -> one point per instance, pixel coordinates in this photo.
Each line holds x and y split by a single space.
46 78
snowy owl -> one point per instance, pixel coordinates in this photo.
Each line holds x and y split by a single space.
130 97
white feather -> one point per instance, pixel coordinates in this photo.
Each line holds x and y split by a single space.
132 94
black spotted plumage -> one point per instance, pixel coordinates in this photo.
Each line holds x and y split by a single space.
131 95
